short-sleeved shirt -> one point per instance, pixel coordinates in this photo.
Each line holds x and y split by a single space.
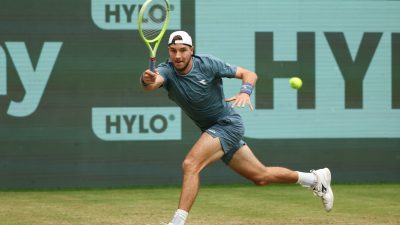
199 92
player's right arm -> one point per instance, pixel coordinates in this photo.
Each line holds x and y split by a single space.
151 80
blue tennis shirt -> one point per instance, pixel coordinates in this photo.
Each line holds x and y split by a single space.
199 92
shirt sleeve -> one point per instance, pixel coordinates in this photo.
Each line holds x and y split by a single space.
221 68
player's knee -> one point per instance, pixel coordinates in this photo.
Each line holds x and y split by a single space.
260 181
261 178
190 166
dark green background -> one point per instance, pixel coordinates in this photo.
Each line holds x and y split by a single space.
56 147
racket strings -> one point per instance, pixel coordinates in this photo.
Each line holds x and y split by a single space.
150 34
154 17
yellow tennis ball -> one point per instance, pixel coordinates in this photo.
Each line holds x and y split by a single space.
295 82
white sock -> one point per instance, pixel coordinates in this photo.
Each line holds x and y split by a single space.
179 217
306 179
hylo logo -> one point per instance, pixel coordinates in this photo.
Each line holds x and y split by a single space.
122 14
141 123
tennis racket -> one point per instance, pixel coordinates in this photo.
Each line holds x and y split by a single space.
153 22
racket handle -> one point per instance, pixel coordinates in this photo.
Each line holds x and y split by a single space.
152 64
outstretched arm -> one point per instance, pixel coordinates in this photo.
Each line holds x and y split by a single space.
246 76
249 80
151 80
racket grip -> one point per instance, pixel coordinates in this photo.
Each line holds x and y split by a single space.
152 64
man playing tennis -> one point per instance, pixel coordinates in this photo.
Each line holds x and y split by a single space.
194 82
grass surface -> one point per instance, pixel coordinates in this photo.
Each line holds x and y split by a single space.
215 205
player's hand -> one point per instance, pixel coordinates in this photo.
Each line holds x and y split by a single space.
149 77
240 100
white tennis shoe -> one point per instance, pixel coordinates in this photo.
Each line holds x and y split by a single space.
323 187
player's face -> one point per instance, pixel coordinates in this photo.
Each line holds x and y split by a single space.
181 57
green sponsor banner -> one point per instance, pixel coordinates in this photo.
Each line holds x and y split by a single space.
73 114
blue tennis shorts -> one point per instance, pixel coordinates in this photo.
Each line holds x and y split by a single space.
230 131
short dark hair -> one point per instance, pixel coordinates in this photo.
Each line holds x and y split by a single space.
177 37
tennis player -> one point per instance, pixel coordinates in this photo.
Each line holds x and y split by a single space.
194 82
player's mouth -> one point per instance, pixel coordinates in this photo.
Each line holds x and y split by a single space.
180 63
180 66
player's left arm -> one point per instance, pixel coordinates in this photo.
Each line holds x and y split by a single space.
249 79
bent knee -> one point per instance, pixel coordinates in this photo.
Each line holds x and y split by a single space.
262 178
260 182
190 166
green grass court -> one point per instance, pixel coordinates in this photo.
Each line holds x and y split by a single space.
216 205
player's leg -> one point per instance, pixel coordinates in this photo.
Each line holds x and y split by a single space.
204 152
245 163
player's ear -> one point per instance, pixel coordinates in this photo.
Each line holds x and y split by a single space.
192 49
